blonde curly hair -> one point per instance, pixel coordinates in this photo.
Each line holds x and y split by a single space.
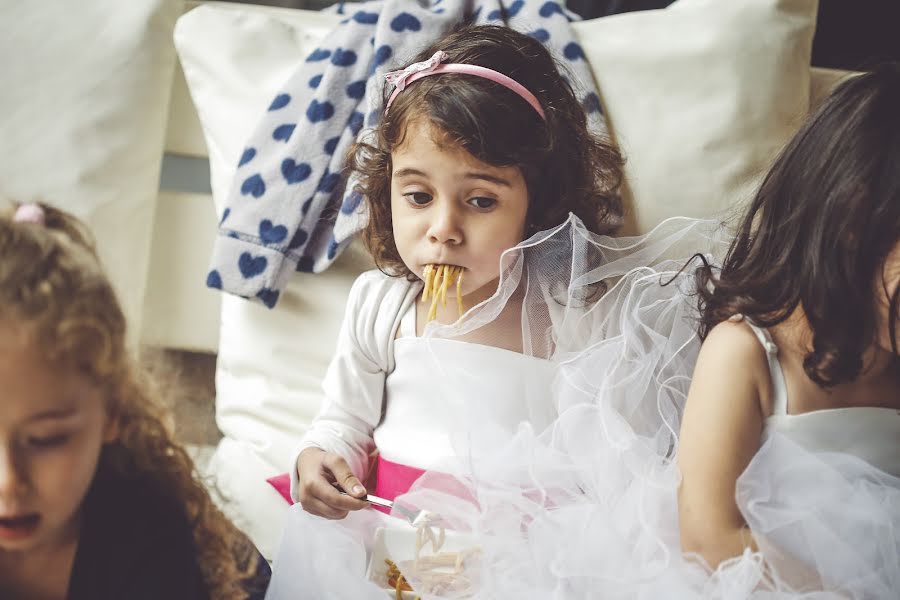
53 286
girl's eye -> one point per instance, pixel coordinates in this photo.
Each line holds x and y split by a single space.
418 198
482 202
52 441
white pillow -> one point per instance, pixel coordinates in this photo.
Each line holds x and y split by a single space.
271 362
83 116
700 96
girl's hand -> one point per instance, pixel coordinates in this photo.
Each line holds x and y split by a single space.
318 472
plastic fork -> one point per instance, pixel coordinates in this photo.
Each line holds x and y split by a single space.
409 514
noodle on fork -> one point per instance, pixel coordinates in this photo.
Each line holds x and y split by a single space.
438 572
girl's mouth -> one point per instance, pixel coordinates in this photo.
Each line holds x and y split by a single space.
437 278
18 527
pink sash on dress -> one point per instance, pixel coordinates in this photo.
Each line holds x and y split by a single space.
394 480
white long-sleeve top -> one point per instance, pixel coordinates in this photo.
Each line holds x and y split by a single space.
418 399
354 385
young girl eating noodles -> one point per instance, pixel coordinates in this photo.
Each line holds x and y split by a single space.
488 195
467 162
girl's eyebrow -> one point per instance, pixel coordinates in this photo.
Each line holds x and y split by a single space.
408 172
56 413
488 177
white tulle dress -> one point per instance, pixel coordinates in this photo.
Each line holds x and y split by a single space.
584 506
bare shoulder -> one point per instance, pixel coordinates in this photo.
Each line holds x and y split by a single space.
726 404
732 356
734 340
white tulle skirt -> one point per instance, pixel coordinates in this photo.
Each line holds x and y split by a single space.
586 508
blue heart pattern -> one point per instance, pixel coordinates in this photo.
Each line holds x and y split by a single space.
331 145
251 266
365 18
247 156
318 54
548 9
283 133
271 234
351 203
357 90
253 186
355 122
280 101
541 35
299 238
214 280
328 182
343 58
382 55
573 51
511 11
319 111
293 172
591 103
268 297
405 21
332 248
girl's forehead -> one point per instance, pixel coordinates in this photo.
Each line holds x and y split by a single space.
424 143
30 385
420 133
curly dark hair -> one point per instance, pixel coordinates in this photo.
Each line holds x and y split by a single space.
819 230
53 286
566 168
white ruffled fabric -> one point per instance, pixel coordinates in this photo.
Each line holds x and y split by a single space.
586 508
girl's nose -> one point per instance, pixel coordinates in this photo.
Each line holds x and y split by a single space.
12 479
445 226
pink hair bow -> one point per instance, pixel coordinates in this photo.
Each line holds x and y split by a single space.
399 78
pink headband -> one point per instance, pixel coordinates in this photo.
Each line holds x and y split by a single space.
29 213
434 66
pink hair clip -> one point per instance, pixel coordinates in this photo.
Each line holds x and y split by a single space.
400 78
29 213
435 66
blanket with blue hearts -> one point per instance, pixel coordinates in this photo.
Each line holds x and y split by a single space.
287 210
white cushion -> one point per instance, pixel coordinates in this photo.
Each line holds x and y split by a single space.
83 116
700 96
271 362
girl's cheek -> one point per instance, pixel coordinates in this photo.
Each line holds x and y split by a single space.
66 470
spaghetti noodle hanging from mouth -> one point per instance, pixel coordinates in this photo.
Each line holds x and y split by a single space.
437 279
